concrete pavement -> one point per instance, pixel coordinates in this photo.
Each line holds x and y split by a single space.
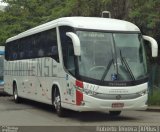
150 108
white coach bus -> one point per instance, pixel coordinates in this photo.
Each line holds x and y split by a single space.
80 63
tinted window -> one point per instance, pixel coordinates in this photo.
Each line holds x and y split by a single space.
11 51
1 67
42 44
67 48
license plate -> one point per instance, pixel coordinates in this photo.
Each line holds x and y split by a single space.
117 105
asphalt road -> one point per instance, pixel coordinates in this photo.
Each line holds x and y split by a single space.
31 113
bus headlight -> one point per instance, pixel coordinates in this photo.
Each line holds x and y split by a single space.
141 93
90 92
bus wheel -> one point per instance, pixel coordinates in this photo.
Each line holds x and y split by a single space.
15 93
114 113
57 103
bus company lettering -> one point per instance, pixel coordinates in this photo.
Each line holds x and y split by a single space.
34 67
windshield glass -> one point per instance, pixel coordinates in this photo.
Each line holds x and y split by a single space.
112 56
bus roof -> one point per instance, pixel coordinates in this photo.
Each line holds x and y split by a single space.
95 23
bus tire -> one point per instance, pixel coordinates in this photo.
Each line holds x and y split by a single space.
114 113
56 100
15 93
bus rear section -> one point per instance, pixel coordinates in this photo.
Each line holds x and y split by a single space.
1 68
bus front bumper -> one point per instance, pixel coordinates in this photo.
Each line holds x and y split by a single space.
94 104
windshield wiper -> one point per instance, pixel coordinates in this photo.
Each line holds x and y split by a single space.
107 70
123 60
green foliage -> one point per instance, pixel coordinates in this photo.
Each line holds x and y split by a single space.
145 13
154 98
21 15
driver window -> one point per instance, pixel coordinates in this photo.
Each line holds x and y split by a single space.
67 49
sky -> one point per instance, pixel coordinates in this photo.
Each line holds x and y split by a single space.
1 3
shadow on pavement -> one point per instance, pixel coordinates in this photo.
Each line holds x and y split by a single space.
3 94
81 116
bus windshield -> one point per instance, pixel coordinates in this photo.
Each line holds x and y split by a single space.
112 56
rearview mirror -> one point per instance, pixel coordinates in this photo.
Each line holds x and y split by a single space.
154 45
76 43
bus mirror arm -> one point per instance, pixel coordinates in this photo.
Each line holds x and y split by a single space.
154 45
76 43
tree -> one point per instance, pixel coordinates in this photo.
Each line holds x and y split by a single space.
21 15
145 13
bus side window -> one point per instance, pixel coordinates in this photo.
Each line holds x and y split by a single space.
40 44
35 44
7 51
27 45
70 59
67 48
21 49
14 50
51 47
54 53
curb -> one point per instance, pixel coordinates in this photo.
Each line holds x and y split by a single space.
153 108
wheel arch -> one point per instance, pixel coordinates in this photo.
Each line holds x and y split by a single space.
54 86
14 83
